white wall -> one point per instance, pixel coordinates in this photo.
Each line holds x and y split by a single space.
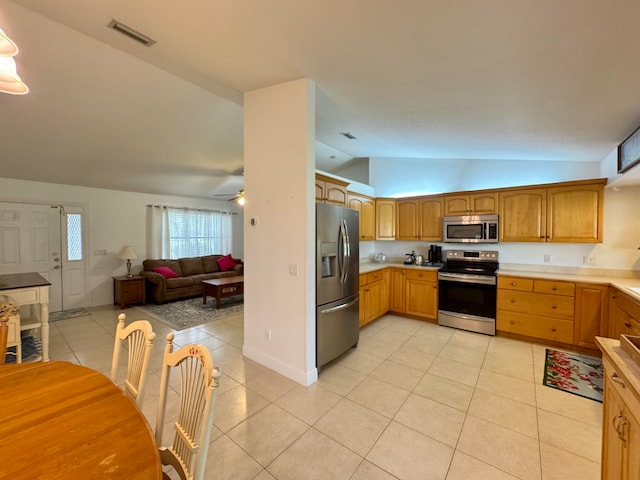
418 176
114 219
279 312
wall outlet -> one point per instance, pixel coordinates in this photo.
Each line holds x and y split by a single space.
587 260
99 252
547 258
293 269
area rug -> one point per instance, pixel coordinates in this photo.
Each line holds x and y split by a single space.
573 373
188 313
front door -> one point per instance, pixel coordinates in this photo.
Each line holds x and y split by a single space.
30 242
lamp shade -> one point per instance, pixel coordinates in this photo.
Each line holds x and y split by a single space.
9 80
127 253
7 47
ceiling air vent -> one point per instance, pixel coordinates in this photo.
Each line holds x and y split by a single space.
131 33
349 135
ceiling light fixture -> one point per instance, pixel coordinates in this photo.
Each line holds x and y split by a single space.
349 135
130 32
10 82
240 198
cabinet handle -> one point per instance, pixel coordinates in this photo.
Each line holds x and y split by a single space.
513 322
513 284
554 306
513 300
553 329
618 380
554 288
627 324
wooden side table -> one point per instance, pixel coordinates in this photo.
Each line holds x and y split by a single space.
129 290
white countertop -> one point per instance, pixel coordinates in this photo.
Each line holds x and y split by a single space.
625 281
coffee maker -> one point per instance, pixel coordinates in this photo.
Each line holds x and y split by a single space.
435 254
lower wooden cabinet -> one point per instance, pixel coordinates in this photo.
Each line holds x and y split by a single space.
422 293
374 295
624 314
590 314
536 308
397 297
620 426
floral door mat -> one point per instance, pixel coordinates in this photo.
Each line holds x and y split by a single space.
573 373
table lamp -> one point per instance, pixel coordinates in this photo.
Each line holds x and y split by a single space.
128 253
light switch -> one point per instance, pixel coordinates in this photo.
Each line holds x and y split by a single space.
293 269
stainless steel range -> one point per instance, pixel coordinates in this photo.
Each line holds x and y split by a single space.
467 290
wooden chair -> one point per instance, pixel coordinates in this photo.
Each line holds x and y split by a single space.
198 390
140 338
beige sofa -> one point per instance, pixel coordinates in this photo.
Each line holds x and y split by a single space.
190 272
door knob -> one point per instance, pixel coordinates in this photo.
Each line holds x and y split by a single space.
57 259
57 267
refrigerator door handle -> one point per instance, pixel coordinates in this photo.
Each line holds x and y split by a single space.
344 257
339 307
347 251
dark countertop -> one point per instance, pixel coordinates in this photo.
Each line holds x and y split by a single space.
22 280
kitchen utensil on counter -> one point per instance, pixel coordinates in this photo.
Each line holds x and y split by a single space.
410 258
419 259
379 258
435 254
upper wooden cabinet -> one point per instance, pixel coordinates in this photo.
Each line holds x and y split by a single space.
420 218
331 190
570 212
471 203
385 219
366 206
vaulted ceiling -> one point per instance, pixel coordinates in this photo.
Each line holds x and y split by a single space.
543 80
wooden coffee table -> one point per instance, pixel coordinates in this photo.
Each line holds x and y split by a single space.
222 288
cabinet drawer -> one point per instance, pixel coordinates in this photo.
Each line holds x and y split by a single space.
556 306
363 279
621 385
515 283
375 276
424 275
555 288
547 328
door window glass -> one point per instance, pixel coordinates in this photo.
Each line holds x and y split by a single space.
74 236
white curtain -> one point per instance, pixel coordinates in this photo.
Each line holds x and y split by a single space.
158 232
183 232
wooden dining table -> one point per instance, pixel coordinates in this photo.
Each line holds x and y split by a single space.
64 421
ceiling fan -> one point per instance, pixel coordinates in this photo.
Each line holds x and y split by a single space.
238 197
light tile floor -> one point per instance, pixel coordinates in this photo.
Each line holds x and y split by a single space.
412 401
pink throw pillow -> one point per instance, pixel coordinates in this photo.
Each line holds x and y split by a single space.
226 263
166 272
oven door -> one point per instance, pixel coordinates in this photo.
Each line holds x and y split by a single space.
473 295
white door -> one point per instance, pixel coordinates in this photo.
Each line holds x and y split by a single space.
30 242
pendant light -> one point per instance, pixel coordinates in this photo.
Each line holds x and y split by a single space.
10 82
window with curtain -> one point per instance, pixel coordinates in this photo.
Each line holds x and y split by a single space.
194 233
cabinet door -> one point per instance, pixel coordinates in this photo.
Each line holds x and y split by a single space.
523 215
397 291
335 194
430 210
612 452
407 220
385 219
362 311
456 204
632 447
386 283
367 215
590 315
575 214
320 191
422 298
483 203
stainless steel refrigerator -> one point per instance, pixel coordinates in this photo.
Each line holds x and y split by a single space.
337 281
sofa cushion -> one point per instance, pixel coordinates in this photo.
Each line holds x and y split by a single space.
166 272
172 264
179 282
191 266
210 263
226 263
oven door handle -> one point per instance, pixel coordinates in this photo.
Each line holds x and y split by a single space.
462 278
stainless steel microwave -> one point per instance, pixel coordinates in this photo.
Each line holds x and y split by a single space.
470 229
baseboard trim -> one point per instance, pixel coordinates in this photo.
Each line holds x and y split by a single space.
282 368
